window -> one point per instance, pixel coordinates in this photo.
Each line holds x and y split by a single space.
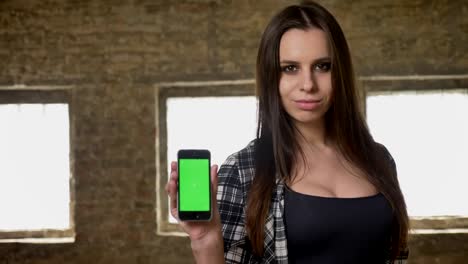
426 132
218 116
35 175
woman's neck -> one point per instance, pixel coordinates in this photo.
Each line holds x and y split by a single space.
312 135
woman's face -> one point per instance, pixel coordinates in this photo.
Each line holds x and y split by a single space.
305 84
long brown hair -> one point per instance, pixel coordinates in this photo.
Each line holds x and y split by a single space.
276 143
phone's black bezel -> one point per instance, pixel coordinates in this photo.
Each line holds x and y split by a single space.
194 154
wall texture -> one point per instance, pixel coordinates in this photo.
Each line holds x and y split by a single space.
113 52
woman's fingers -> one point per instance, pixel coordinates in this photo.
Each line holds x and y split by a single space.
172 190
214 184
214 201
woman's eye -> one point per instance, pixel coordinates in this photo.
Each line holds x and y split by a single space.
323 66
290 68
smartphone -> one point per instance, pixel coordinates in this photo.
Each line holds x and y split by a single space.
194 187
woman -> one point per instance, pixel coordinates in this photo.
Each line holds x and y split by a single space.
313 187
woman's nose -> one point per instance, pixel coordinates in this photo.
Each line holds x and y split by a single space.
308 83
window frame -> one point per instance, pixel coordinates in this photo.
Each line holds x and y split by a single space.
420 83
22 94
164 91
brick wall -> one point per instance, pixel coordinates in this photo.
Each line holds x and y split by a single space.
113 52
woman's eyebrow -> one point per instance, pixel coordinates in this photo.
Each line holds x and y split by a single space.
322 59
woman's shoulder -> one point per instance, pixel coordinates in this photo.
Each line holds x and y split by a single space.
240 163
384 150
244 157
385 156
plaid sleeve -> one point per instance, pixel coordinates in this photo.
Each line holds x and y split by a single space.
231 205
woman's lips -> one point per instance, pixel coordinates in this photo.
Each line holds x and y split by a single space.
308 104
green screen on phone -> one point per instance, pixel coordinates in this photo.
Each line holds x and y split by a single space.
194 185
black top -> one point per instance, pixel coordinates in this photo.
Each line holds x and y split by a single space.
322 230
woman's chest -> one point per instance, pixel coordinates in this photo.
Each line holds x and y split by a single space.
331 178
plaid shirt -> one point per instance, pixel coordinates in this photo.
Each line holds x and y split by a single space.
234 179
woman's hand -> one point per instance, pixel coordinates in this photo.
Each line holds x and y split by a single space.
205 236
